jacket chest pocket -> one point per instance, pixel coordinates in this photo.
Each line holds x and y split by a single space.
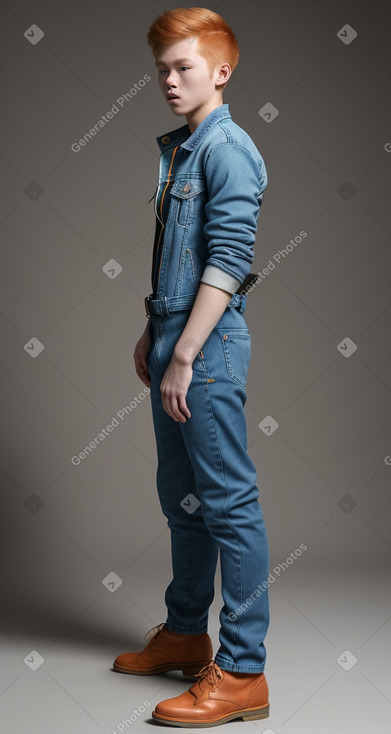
187 198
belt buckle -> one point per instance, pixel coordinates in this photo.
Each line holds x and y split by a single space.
147 309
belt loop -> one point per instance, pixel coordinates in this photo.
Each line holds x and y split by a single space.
165 307
147 309
243 300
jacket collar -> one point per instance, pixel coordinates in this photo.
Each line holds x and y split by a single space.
182 135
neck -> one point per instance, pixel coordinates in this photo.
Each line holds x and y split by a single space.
195 117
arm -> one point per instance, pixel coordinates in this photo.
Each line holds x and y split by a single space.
140 355
235 186
207 310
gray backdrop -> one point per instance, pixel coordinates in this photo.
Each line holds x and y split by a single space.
84 547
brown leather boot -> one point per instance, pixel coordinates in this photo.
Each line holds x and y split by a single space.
217 697
167 651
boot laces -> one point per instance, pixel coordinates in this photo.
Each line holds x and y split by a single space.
211 673
154 631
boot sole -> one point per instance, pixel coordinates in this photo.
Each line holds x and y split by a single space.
261 712
188 669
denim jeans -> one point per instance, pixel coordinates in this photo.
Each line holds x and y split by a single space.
206 484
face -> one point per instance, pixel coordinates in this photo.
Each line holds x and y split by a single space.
183 72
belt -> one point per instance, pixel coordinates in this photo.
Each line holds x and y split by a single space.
165 305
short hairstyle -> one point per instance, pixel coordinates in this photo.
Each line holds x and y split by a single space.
216 39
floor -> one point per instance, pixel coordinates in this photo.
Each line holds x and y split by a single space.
328 668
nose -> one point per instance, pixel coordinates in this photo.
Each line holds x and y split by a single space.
170 80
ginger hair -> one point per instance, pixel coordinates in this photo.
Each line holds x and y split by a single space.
216 39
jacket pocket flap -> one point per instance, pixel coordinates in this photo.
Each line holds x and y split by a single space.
184 189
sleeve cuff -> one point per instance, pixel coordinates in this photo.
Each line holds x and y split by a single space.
220 279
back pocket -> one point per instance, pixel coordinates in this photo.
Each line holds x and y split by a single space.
237 353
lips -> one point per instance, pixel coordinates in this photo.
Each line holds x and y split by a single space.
173 96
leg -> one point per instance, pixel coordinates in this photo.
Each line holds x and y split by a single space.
194 551
216 441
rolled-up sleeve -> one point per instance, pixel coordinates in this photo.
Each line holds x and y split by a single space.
235 182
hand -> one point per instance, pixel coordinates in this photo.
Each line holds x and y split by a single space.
174 387
140 356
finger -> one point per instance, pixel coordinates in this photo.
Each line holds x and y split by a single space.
144 376
183 407
176 410
165 401
169 405
146 380
168 409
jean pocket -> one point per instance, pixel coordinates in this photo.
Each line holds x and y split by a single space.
187 198
237 353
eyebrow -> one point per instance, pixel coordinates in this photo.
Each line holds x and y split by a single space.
162 62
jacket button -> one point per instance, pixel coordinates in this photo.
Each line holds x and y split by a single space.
165 139
225 336
186 188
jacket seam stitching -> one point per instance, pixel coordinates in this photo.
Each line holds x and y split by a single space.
231 142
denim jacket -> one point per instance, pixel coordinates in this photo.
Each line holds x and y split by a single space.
214 194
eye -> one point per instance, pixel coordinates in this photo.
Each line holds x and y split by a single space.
162 71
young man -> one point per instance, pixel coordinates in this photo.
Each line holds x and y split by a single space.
194 354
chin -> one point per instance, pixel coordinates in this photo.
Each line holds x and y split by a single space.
177 112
